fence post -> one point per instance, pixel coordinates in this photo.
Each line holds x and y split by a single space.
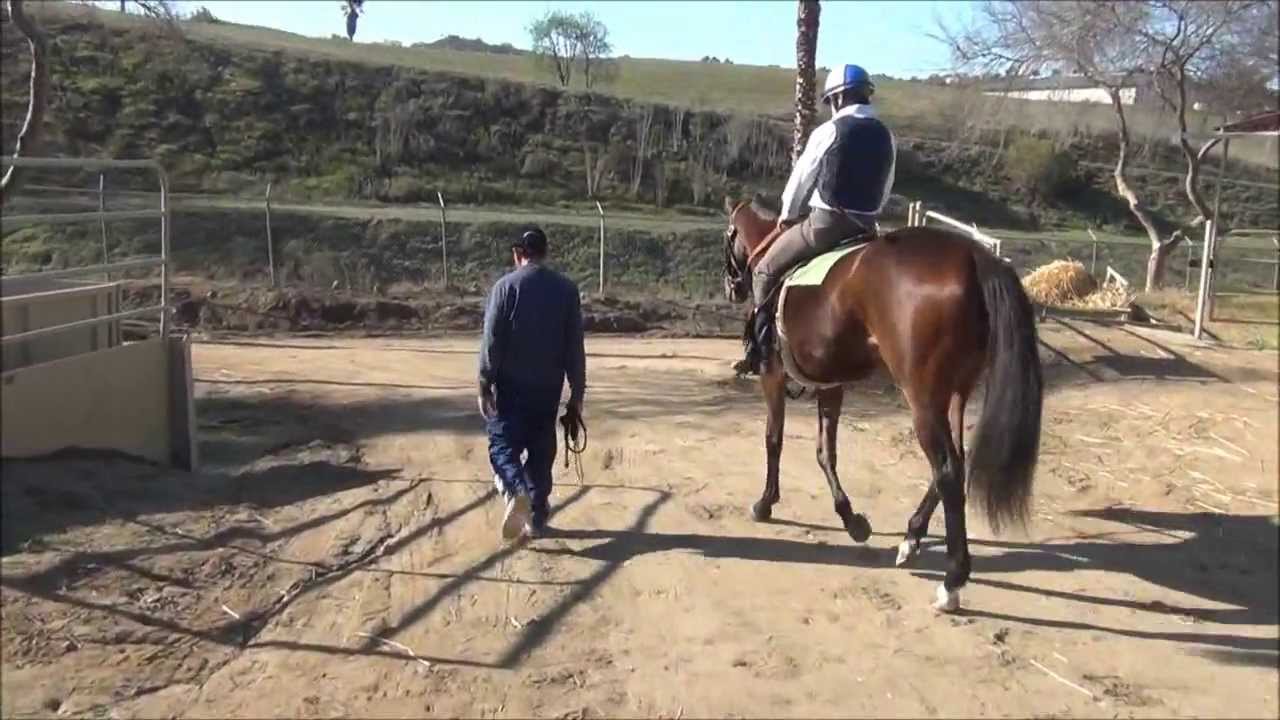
1186 273
271 251
1275 277
1093 262
102 219
444 250
600 209
1206 260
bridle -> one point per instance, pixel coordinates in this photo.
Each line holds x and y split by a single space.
736 272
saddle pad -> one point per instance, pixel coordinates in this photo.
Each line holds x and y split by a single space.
815 271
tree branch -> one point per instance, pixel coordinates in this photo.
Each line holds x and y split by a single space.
38 99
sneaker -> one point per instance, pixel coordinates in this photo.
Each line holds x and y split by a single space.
537 530
519 511
743 367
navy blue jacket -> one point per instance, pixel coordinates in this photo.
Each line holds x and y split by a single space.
533 332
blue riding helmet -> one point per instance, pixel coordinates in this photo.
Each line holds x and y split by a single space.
847 77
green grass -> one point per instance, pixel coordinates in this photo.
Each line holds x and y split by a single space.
912 107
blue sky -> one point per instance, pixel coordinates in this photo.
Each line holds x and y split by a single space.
884 37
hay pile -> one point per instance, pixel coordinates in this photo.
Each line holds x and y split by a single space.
1066 283
1058 283
1110 296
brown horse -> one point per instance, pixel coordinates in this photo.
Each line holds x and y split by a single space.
935 310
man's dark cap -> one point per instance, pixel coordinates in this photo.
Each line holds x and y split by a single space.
532 241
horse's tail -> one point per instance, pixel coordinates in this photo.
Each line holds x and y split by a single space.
1002 460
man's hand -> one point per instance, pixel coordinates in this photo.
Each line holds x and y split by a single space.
487 401
573 409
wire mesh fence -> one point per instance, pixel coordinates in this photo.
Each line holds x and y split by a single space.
382 250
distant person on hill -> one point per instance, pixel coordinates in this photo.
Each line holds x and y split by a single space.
532 342
843 179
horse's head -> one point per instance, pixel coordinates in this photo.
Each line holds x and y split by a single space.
737 276
750 222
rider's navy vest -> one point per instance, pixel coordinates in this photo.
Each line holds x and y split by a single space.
854 174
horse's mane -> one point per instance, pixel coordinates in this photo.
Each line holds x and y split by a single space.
764 208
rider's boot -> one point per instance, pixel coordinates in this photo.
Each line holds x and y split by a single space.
750 361
757 339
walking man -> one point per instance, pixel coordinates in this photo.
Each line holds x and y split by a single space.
532 343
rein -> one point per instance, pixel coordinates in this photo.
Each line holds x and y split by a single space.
574 427
763 247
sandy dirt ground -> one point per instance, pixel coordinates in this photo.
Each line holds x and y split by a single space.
338 555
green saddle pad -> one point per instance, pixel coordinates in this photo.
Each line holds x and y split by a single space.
815 271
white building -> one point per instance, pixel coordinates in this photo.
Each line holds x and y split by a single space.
1063 88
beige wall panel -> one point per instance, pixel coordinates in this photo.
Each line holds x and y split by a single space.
115 399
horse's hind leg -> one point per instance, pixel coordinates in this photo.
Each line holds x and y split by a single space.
774 384
948 477
918 525
829 403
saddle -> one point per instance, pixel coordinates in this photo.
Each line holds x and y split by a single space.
760 328
814 270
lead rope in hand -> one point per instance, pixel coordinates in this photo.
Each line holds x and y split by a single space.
575 441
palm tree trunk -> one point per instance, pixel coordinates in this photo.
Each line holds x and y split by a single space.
806 73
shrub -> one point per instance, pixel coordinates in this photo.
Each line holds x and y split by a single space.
1036 166
204 15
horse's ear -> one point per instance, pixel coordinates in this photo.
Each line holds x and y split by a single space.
728 204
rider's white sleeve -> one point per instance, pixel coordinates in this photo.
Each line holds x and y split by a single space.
804 176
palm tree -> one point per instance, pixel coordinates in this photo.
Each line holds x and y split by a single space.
806 73
352 8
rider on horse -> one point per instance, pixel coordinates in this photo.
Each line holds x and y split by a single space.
844 177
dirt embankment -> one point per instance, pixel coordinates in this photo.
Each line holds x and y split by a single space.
240 309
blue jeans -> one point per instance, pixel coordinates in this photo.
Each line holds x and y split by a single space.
525 421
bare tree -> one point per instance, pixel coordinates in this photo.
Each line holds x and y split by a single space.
1084 37
643 114
32 132
1235 73
1185 38
158 9
595 167
806 73
1114 43
38 96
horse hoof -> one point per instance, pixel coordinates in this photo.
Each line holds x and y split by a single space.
761 512
948 601
907 551
858 527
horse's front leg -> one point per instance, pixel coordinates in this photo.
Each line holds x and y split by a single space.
830 401
774 384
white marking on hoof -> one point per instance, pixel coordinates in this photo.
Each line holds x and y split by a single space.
907 550
948 600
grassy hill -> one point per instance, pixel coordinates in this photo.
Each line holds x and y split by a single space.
914 108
